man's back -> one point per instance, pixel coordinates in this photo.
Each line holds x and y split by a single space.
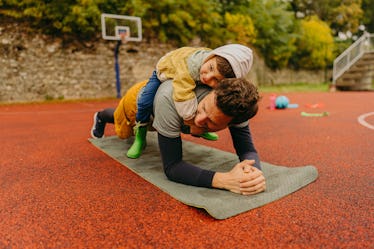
166 119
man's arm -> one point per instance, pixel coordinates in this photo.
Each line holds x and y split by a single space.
242 179
244 147
178 170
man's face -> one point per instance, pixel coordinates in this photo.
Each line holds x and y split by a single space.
209 117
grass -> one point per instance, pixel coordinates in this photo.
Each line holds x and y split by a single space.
295 87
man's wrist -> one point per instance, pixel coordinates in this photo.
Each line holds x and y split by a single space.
218 180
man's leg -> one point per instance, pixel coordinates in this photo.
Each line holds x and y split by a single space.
100 120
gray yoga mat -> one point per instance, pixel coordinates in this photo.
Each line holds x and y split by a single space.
221 204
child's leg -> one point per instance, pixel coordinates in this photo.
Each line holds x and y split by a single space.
145 100
144 111
100 119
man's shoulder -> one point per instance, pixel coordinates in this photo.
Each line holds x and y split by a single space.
166 87
201 91
166 119
164 94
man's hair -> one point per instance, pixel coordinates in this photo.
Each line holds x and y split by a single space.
237 98
224 67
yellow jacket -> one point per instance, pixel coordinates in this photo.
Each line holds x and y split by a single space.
183 67
174 65
125 113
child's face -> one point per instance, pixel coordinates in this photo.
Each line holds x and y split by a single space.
209 74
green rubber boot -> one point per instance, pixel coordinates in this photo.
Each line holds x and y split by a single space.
139 144
209 136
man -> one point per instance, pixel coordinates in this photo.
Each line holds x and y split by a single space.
231 104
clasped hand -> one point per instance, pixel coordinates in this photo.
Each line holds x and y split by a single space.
246 179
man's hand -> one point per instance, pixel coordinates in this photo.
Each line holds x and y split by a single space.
255 183
243 179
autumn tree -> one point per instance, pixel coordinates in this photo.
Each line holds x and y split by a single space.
315 44
239 29
341 16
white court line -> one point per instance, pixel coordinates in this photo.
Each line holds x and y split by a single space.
361 120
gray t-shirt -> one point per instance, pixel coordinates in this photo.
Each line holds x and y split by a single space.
166 119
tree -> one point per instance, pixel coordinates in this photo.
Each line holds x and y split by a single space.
239 29
275 26
177 20
341 16
347 16
368 16
74 17
315 44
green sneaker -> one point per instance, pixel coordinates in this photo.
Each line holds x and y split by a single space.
209 136
139 144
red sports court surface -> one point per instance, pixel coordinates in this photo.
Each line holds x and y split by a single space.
59 191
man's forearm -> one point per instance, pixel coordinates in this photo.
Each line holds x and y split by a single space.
178 170
244 147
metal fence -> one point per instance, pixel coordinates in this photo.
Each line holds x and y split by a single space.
352 54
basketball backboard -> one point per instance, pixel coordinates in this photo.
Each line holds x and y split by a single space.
112 26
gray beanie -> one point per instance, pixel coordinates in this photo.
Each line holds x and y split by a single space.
240 58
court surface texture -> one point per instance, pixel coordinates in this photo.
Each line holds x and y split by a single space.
59 191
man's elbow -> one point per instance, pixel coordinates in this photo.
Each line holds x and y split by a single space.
169 173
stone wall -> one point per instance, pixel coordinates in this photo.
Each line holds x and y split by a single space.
35 67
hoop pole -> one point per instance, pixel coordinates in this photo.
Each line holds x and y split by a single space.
116 68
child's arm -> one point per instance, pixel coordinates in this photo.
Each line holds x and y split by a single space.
183 91
176 66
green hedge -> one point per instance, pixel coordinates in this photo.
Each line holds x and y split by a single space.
267 26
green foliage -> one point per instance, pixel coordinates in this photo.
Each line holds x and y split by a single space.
177 21
275 26
240 29
181 21
315 44
368 18
268 26
341 16
79 18
82 18
320 8
347 16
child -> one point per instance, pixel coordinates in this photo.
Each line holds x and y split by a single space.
187 67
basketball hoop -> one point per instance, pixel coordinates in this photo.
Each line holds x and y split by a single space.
112 26
122 29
